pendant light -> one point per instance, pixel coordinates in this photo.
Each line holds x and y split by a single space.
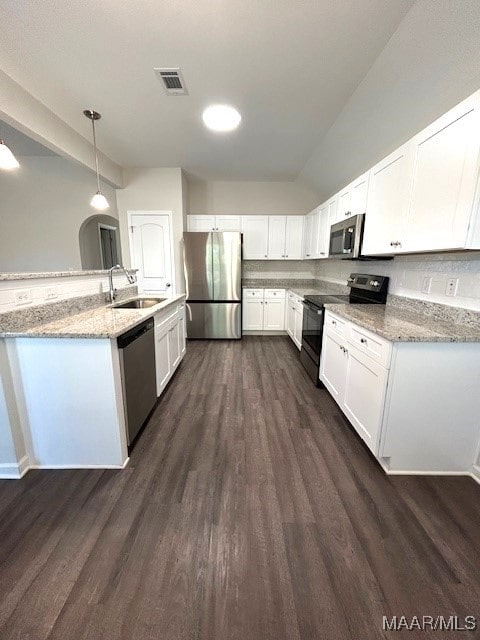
8 162
98 201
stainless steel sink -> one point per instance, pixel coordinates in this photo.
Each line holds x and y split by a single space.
138 303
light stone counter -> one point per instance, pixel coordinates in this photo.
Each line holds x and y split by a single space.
98 322
401 325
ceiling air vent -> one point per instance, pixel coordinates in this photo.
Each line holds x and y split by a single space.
172 81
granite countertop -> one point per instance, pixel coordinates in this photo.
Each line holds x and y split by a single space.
99 322
35 275
300 288
400 325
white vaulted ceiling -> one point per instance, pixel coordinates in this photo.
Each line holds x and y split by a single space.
289 66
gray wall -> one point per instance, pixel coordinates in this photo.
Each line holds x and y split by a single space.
42 207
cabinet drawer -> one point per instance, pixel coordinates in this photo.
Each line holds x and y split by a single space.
371 344
274 293
335 324
164 318
253 293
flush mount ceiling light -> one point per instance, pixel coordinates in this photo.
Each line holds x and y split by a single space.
8 162
221 117
98 201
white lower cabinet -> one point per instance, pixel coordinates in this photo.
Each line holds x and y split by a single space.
170 343
415 404
294 318
263 310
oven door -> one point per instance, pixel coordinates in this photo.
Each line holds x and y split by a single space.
312 330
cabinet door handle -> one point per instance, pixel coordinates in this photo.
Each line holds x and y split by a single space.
334 322
266 256
363 340
286 256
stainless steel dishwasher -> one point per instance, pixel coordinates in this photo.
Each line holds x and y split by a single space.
137 362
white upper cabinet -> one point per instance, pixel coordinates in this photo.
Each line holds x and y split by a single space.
294 238
445 174
201 223
323 235
344 204
277 226
388 203
359 193
213 223
255 237
311 244
228 223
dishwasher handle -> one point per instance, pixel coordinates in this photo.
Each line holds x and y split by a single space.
127 338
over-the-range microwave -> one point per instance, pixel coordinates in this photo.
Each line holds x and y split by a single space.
346 238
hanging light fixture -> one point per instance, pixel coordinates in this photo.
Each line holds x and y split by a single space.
8 162
98 201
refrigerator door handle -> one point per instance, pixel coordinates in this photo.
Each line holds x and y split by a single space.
185 273
189 309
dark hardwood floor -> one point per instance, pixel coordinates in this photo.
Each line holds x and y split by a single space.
250 510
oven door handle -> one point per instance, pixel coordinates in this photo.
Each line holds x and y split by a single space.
313 308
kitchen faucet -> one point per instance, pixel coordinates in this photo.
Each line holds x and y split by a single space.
130 277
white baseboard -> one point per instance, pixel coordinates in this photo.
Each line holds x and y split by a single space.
80 466
264 333
475 474
14 471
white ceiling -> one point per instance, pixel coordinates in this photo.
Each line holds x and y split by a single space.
288 66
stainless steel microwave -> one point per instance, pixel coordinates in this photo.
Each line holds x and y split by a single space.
346 238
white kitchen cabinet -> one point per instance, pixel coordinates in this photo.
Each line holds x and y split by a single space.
387 208
274 314
213 223
290 315
285 236
333 364
359 190
311 234
252 314
162 357
277 227
363 402
415 404
170 343
344 202
255 237
332 207
298 323
201 223
444 182
323 232
263 309
294 238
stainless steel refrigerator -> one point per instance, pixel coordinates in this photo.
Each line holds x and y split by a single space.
213 277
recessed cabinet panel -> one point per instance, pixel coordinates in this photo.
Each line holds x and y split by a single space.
359 192
255 237
252 314
333 365
364 395
274 314
276 237
201 223
294 238
387 205
228 223
444 181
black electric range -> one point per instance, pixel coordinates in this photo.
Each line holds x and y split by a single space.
364 289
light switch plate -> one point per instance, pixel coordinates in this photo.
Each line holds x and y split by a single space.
23 296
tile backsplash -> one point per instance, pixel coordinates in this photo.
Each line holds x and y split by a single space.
421 276
21 294
447 278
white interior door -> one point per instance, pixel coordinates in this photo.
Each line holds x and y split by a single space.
151 251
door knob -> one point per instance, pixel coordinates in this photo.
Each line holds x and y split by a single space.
168 285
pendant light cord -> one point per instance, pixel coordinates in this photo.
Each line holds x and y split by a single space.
96 155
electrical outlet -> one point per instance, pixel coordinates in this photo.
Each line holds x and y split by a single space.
452 284
50 293
426 284
23 296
